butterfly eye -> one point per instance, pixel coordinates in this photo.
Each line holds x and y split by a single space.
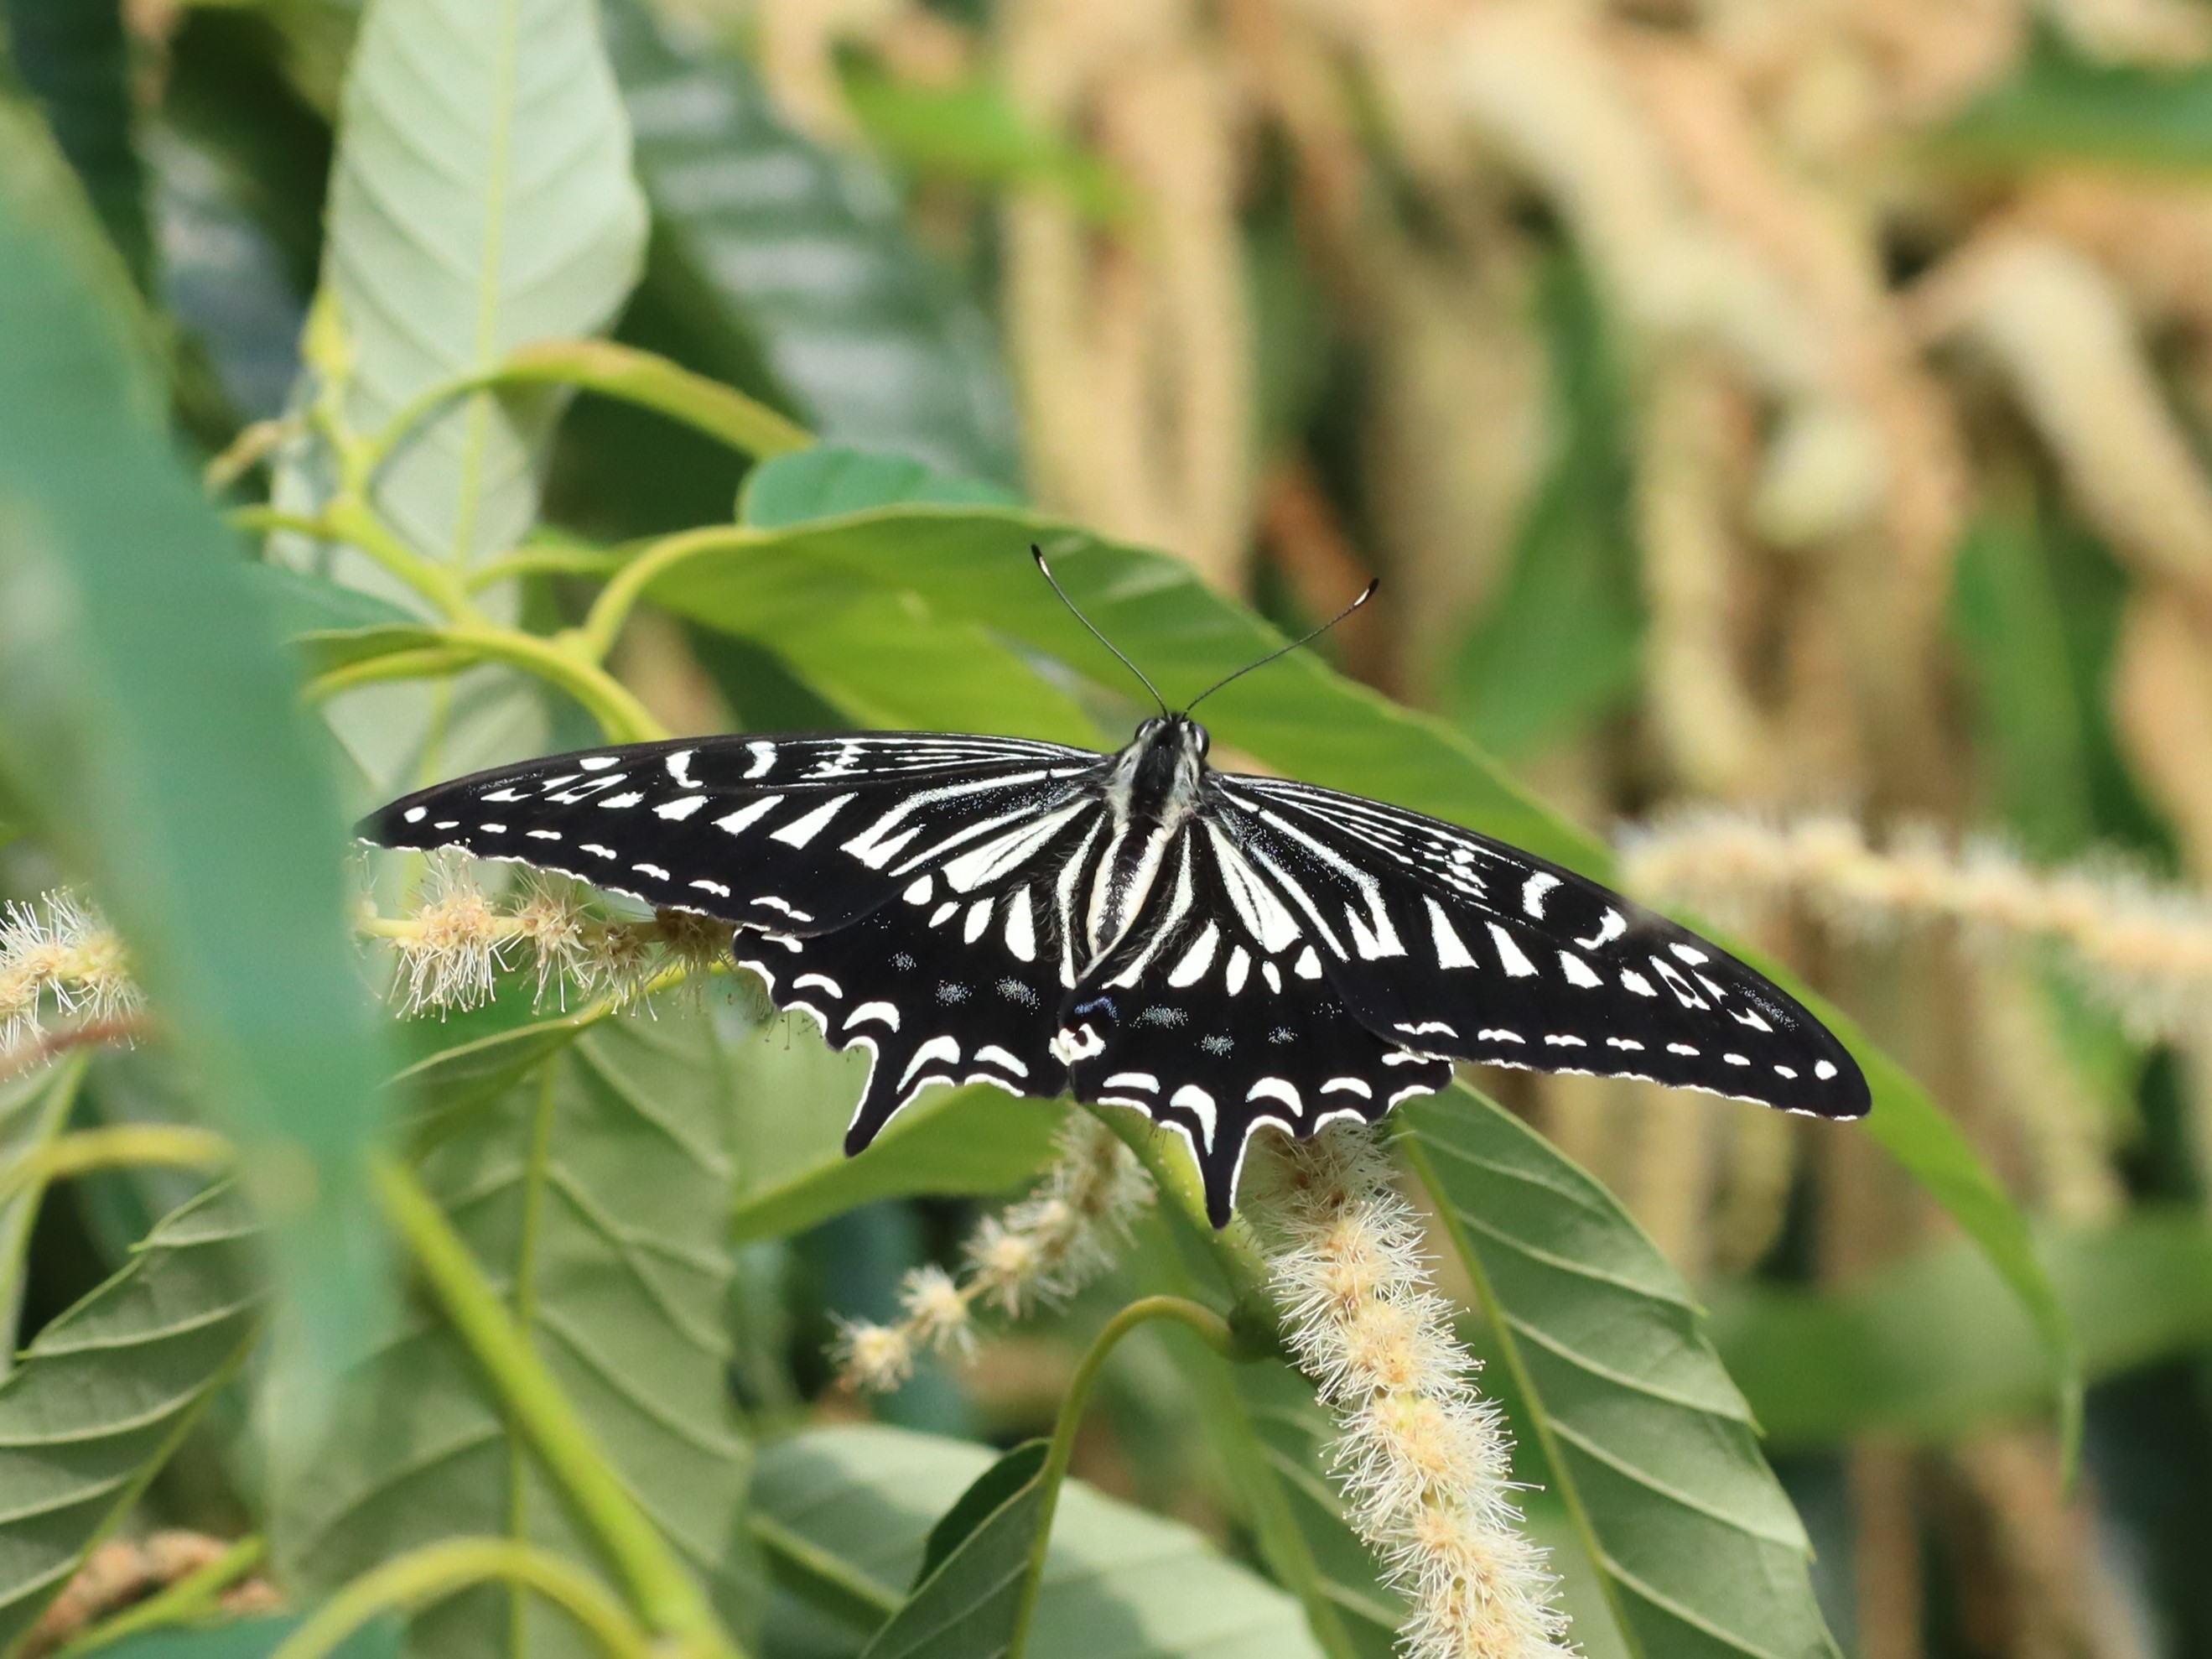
1205 740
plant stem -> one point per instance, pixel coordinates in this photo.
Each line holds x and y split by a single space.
347 517
663 1592
1231 1246
115 1146
546 560
425 665
597 634
620 716
187 1598
1211 1329
453 1563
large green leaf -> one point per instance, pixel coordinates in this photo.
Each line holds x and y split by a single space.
34 1107
967 1600
972 564
104 1394
1274 1435
1929 1349
592 1193
482 200
1651 1443
73 59
887 659
128 641
1117 1581
832 479
770 247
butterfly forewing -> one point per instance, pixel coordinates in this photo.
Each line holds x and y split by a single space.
1457 944
802 835
910 892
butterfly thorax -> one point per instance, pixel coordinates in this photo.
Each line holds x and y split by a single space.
1153 788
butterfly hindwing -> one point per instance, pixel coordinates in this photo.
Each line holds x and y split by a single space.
1213 1017
1458 945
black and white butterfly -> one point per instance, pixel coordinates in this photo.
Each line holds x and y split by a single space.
1218 951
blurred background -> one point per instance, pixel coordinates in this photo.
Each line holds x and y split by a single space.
1781 427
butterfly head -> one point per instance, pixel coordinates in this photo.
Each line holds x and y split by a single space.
1176 734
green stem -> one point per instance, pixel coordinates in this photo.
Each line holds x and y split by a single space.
1174 1173
672 1602
603 623
454 1563
425 665
117 1146
186 1598
545 561
612 370
620 716
348 518
1211 1329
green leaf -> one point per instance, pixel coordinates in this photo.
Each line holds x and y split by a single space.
886 659
831 479
299 601
34 1109
971 130
652 382
1117 1581
74 58
592 1193
482 200
323 649
1930 1350
128 636
1274 1433
795 1100
972 565
967 1600
108 1389
1559 643
2063 107
1650 1444
994 1488
767 246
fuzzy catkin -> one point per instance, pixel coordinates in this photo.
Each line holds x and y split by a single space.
1039 1252
2146 950
58 955
1424 1461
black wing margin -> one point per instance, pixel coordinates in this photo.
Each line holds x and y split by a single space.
1457 945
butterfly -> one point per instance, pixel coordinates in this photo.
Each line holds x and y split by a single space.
1218 951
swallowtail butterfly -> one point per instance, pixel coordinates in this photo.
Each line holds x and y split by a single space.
1218 951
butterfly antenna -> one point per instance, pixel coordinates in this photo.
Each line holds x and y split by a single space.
1367 593
1037 553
